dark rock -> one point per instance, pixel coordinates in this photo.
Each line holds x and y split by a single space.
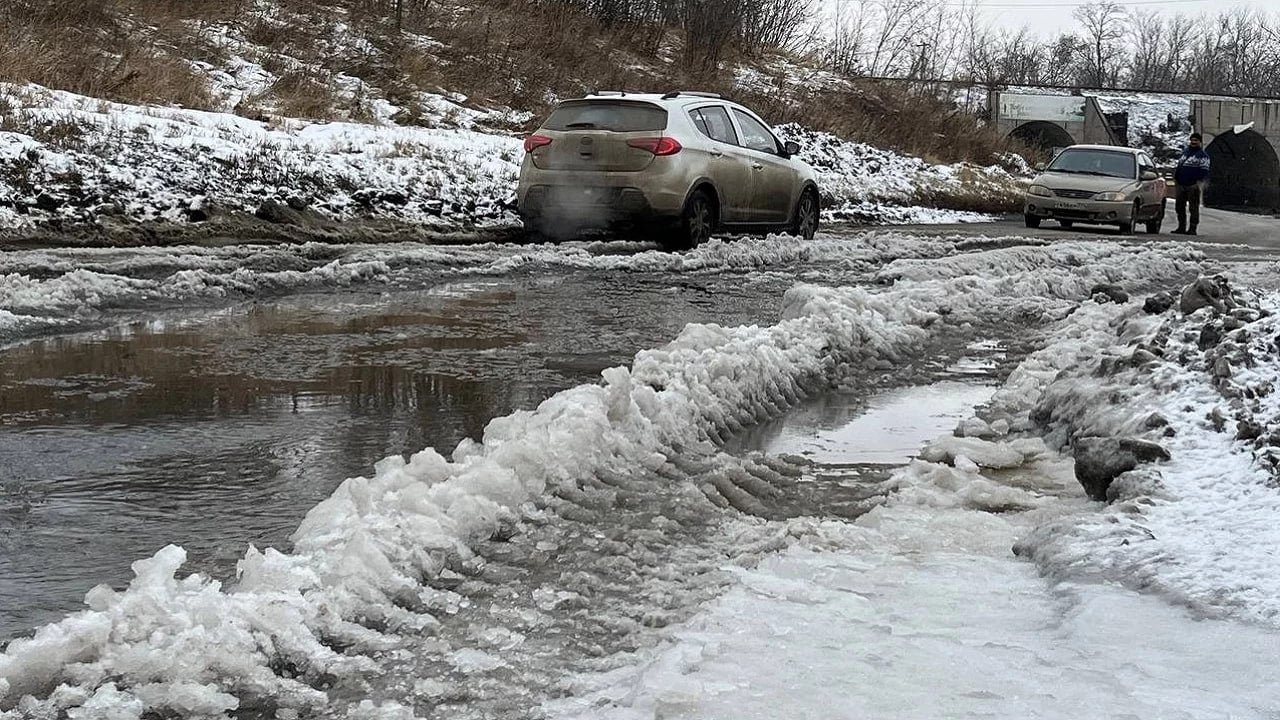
296 203
1109 291
1245 314
277 212
1141 357
1248 429
1200 294
1155 420
197 214
366 197
47 202
1217 419
1099 460
1210 335
1158 303
394 197
1222 368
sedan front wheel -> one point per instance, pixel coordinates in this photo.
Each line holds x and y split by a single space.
805 224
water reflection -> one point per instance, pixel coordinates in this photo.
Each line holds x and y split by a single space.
221 428
217 431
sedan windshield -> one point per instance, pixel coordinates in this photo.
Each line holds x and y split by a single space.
1106 163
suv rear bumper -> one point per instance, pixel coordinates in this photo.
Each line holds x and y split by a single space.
1090 211
588 207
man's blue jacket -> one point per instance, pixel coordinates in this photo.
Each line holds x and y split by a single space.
1193 167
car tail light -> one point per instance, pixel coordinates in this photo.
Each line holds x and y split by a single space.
533 142
658 146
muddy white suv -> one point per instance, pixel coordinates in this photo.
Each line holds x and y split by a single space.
683 165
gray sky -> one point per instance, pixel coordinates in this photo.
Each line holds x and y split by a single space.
1049 17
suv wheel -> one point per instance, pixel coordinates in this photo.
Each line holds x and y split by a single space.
805 224
698 221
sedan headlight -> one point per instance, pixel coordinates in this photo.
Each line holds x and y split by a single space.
1039 191
1112 196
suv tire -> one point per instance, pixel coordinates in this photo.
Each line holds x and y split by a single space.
697 222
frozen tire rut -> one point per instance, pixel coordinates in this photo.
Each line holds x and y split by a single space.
470 584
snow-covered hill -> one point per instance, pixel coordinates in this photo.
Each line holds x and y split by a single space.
68 160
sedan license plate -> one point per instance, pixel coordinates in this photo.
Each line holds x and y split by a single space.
1070 206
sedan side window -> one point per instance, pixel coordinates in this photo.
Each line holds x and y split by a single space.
755 135
714 123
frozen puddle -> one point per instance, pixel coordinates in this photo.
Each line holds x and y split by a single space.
886 430
838 635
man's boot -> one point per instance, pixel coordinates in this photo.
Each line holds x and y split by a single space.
1181 230
1191 230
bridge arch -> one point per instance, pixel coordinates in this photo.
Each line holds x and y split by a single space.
1245 172
1043 134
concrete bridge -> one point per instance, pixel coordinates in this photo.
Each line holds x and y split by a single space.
1241 135
1052 121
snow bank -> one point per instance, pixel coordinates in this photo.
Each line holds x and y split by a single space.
82 159
1200 529
919 609
857 177
364 560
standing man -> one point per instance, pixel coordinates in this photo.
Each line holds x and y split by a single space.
1190 177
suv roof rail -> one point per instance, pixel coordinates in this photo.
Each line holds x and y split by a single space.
694 93
607 92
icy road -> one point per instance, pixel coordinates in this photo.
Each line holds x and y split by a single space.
763 479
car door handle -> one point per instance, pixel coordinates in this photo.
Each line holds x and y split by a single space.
756 166
716 153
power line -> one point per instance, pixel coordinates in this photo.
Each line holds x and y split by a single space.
1033 5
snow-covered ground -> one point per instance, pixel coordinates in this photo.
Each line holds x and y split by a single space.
1163 604
1158 123
1151 606
70 160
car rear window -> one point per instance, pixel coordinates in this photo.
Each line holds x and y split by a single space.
615 116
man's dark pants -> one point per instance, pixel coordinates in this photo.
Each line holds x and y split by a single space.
1188 195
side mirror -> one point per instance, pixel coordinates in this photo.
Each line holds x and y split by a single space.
1148 175
790 147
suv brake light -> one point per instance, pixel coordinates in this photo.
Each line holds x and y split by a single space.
533 142
658 146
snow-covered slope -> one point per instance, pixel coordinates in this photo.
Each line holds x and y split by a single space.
67 159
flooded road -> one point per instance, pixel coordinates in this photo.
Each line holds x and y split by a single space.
774 390
218 429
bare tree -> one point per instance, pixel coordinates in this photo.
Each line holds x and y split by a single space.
774 24
1105 25
710 27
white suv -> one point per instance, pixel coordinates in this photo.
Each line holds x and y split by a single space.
684 164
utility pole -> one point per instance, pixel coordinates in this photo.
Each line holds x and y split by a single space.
921 64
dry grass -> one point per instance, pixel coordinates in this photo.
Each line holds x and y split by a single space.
85 48
514 53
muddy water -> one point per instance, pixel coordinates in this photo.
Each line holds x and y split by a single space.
217 429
